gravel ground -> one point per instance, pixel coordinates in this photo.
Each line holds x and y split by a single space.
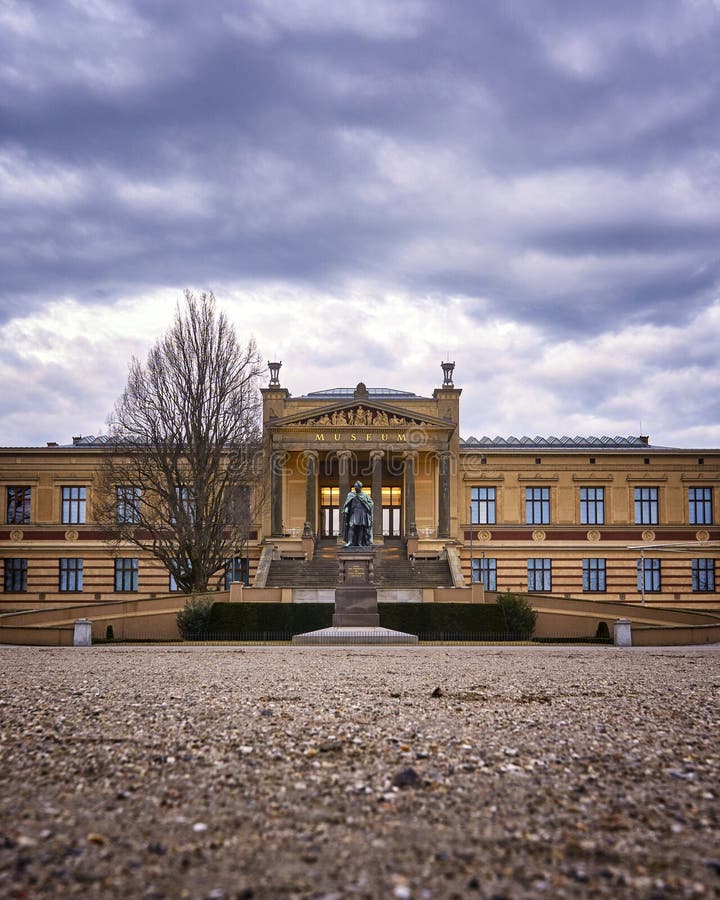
359 772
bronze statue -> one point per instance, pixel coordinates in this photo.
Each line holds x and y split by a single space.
358 518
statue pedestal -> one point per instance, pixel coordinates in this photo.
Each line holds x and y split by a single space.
355 596
357 565
356 619
356 607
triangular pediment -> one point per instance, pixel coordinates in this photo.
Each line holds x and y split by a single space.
359 414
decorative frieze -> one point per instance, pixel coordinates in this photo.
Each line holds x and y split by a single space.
358 415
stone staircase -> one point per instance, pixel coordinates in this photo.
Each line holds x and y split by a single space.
392 570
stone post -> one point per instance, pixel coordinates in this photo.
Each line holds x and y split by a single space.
376 457
344 485
444 495
410 525
82 635
311 460
277 464
623 633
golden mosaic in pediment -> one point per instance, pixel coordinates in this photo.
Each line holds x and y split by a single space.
359 415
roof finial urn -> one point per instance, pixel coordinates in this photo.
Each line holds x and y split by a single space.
274 374
448 368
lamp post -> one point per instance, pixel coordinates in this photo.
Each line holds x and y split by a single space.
642 575
472 580
482 577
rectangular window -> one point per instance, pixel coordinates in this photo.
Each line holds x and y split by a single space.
485 570
237 569
126 575
238 507
646 506
71 575
593 575
537 505
703 575
700 502
15 575
182 502
648 575
172 583
482 506
18 505
128 504
592 506
539 572
73 505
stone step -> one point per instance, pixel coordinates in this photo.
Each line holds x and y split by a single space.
392 569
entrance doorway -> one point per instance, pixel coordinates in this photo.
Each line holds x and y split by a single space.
391 505
329 512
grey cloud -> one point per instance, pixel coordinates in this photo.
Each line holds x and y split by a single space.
256 117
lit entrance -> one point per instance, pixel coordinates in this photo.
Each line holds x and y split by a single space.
391 504
329 512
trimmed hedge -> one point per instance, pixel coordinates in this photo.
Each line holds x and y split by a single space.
413 618
257 618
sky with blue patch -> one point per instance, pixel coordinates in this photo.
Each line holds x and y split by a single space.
531 189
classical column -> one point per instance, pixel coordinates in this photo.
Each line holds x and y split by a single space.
445 460
311 460
376 457
344 485
277 464
410 524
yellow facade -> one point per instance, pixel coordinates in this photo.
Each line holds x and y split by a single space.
568 517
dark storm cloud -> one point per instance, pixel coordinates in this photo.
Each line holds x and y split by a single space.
556 160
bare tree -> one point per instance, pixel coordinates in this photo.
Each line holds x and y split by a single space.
182 477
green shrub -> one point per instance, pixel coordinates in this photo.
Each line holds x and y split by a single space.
603 633
519 614
194 619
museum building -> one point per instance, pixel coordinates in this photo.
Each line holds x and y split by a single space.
591 517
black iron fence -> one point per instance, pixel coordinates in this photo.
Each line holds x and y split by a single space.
360 636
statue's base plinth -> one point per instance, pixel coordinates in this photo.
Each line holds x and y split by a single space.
356 607
345 636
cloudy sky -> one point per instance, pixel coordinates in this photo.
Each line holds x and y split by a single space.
530 187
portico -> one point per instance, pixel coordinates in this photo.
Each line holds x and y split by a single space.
399 445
